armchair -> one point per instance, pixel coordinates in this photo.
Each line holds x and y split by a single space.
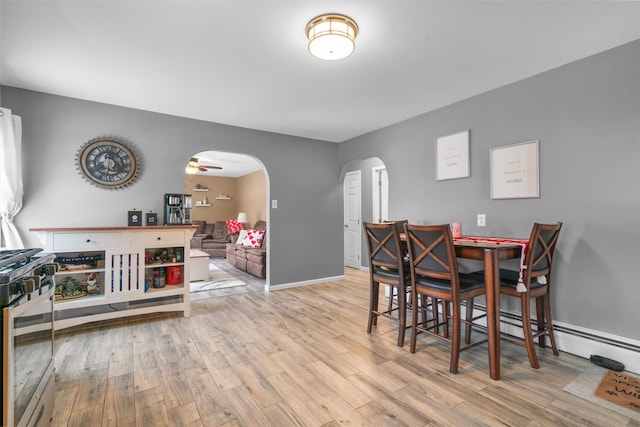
251 260
203 231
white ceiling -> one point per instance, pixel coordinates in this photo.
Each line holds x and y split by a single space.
245 63
233 165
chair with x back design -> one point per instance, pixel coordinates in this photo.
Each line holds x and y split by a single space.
434 273
386 266
536 276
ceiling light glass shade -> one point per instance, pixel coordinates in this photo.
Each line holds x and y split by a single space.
332 37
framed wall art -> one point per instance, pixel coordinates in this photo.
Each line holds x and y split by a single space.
515 171
452 156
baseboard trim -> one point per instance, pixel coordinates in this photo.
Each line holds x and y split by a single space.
583 342
305 283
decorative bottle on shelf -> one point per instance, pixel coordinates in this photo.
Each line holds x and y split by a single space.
204 200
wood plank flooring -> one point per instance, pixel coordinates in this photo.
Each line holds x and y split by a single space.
300 357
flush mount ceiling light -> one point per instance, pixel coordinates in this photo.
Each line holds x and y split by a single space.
332 36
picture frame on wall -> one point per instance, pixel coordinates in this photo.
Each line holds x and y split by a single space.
515 171
452 156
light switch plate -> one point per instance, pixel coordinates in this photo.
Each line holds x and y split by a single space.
274 204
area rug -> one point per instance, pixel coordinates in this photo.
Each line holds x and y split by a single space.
617 391
218 279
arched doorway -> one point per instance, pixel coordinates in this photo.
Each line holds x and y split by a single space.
226 185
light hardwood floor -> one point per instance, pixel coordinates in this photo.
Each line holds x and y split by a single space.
300 357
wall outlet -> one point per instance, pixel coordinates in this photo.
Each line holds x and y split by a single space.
482 220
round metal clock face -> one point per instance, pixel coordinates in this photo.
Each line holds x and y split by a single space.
107 163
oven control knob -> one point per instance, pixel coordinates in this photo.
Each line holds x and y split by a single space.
50 269
30 284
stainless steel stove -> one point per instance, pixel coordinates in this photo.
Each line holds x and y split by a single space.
27 284
21 272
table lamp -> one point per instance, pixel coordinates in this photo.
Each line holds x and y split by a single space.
242 217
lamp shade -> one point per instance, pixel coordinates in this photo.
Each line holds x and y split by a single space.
332 36
242 217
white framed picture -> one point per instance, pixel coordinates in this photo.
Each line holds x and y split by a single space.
452 156
515 171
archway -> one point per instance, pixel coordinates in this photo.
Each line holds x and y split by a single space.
229 184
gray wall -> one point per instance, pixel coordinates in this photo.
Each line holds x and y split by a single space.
587 117
302 176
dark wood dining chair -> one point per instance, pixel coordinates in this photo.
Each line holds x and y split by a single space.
387 266
536 277
434 273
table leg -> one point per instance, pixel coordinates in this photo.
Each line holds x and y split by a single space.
492 285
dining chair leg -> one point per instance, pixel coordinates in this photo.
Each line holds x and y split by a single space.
527 331
435 314
373 306
455 339
414 332
541 320
392 289
469 319
402 314
446 316
424 304
552 338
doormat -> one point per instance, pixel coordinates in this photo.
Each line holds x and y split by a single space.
617 391
620 388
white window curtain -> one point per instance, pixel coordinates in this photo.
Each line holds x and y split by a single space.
11 190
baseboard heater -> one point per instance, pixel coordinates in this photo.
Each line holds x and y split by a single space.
583 342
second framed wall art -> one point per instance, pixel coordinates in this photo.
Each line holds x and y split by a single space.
452 156
515 171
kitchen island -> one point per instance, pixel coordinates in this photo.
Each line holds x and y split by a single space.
112 272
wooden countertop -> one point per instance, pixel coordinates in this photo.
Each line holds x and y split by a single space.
132 228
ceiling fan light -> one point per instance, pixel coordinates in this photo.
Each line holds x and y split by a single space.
192 167
332 37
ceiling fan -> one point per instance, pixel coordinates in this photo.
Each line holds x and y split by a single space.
194 166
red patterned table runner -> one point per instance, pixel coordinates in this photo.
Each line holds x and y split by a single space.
497 240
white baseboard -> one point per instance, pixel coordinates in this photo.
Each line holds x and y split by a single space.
584 342
305 283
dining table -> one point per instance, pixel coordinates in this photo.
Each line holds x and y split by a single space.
491 250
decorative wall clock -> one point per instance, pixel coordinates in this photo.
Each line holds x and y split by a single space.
107 163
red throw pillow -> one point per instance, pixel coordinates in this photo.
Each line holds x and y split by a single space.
233 226
253 239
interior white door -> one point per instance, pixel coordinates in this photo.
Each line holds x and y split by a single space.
352 220
380 195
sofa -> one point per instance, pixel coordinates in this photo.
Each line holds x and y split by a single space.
212 238
251 260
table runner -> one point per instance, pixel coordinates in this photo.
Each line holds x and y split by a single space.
524 243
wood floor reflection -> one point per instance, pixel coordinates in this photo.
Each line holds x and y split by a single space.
300 357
